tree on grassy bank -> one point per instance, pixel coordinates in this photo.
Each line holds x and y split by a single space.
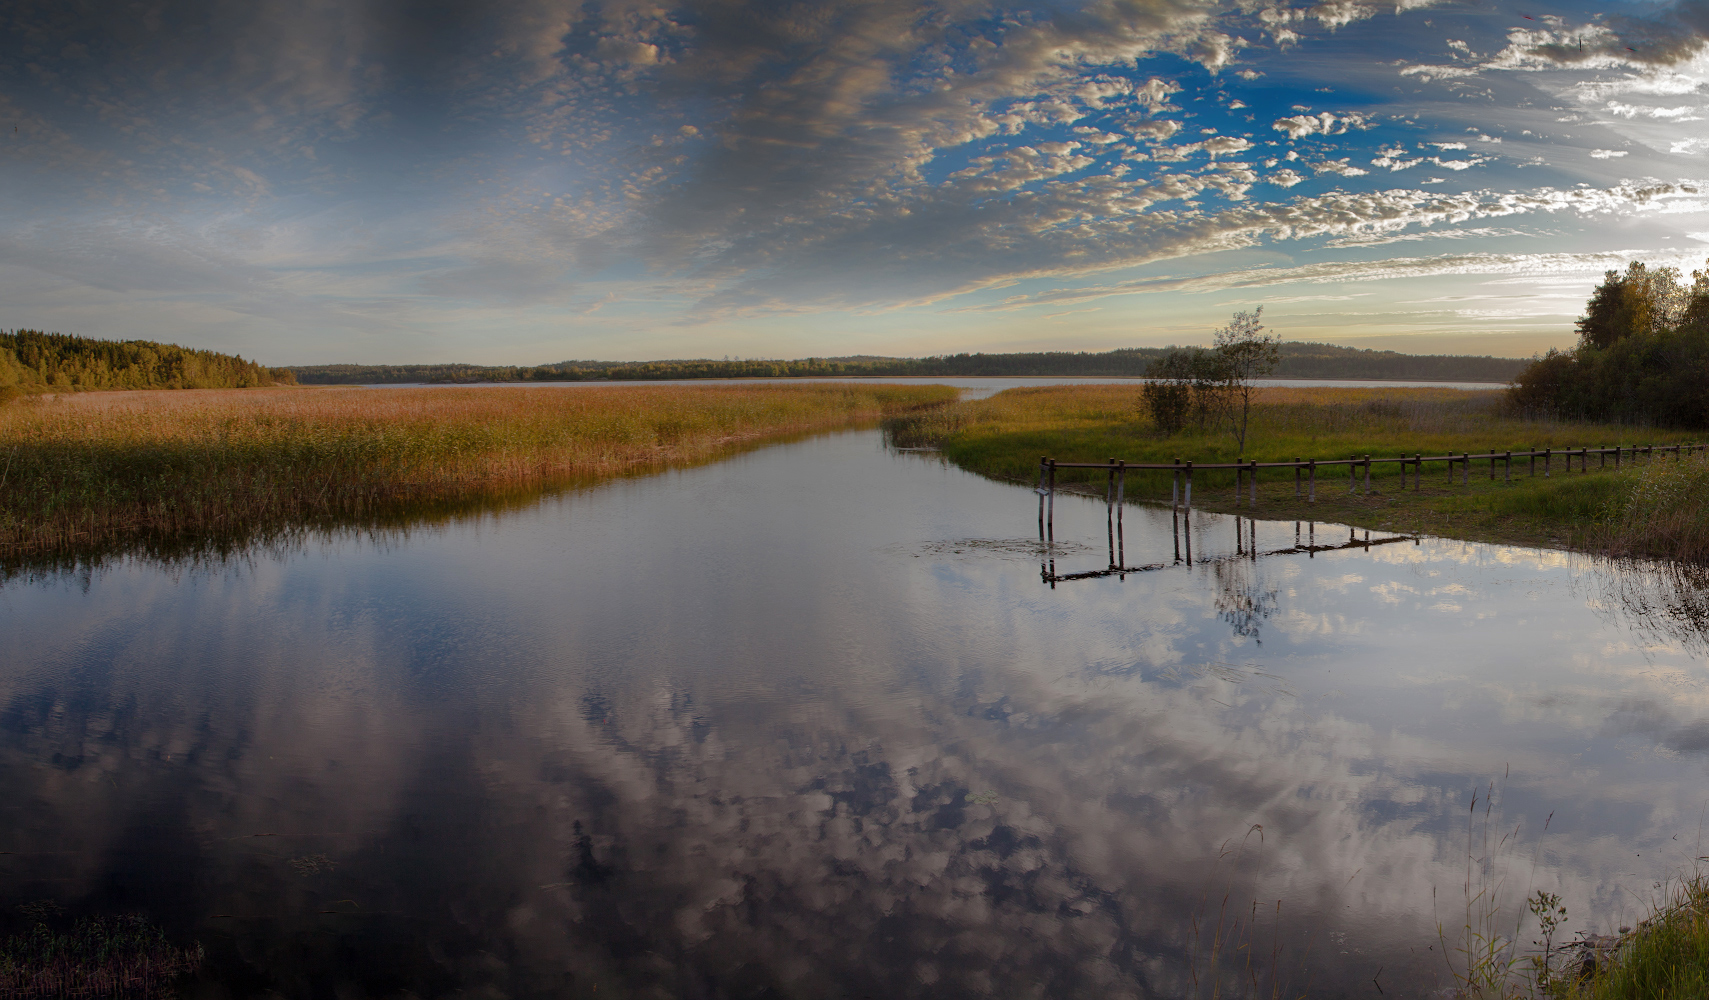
1217 386
1642 356
32 361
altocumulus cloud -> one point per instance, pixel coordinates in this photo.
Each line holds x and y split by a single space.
384 170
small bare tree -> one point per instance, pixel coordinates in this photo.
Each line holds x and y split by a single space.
1244 353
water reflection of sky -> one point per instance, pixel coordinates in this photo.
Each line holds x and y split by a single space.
809 720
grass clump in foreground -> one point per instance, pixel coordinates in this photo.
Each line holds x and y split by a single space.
126 957
79 472
1642 510
1666 958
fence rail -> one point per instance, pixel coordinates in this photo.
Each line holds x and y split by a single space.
1305 470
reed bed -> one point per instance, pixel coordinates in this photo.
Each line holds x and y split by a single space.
94 468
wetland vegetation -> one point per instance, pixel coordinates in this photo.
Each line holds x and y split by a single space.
79 471
1642 510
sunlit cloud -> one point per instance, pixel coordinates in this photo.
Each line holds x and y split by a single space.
468 184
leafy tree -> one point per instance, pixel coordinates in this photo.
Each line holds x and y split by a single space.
1244 353
1642 357
1641 302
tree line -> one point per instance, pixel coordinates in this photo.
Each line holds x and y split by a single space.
1642 355
33 361
1297 360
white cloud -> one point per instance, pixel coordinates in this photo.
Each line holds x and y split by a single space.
1682 113
1337 167
1606 154
1300 126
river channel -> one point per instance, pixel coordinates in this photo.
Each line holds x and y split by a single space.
814 721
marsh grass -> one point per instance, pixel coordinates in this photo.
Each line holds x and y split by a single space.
78 472
1665 958
126 957
1231 953
1648 509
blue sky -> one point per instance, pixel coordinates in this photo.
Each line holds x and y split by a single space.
536 181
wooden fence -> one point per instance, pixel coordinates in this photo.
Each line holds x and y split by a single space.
1305 470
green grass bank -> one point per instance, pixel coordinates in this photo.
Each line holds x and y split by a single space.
1648 509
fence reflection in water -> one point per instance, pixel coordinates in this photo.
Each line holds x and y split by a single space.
1181 528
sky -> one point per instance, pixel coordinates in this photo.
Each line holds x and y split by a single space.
541 180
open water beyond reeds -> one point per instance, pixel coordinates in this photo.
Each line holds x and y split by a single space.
810 722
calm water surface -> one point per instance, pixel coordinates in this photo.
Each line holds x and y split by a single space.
811 722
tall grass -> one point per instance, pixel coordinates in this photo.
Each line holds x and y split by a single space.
126 957
1662 508
1667 957
91 469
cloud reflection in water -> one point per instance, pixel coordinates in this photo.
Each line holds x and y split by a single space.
768 724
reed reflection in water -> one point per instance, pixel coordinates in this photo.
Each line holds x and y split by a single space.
806 723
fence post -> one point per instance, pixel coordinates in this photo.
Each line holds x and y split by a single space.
1465 468
1189 499
1313 470
1175 487
1492 466
1352 473
1367 475
1053 496
1507 468
1418 471
1548 454
1110 487
1121 482
1255 484
1296 478
1617 449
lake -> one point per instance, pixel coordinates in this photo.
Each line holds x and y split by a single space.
815 721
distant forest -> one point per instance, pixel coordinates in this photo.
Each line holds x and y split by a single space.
1299 360
32 361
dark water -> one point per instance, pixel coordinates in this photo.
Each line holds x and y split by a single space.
811 723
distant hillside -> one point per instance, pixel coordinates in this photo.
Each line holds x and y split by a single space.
32 361
1299 360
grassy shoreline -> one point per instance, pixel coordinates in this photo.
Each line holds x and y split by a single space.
79 472
1640 510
